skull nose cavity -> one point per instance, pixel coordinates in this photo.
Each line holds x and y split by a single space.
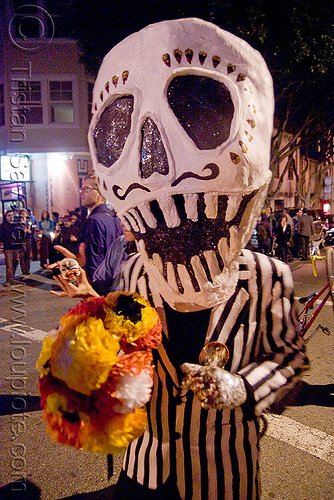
153 157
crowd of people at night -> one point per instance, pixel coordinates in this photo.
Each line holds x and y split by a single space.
88 233
286 237
25 238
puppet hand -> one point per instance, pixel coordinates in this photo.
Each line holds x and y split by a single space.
215 387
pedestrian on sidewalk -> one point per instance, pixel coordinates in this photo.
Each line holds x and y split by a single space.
26 250
305 230
69 236
12 236
296 238
100 230
32 221
264 235
283 240
45 226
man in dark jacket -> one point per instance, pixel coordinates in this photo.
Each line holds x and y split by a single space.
305 230
100 229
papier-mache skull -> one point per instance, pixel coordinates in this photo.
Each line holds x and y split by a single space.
180 141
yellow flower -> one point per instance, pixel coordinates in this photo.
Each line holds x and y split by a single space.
84 357
131 331
45 356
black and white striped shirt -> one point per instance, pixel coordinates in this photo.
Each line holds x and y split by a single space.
214 454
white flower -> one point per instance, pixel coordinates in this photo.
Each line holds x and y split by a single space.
134 391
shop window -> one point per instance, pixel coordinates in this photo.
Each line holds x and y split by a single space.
33 109
61 102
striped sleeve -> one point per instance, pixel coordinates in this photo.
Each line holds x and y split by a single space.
132 271
279 352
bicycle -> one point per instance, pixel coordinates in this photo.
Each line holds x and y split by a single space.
305 317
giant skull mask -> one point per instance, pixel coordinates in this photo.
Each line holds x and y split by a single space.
180 141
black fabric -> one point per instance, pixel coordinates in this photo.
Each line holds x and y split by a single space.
128 489
186 332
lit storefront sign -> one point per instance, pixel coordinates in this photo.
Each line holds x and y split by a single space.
326 208
15 168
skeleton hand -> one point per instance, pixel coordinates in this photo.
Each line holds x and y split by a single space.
214 387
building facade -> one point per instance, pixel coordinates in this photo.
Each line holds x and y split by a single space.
45 102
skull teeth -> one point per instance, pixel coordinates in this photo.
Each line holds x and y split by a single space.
137 225
190 205
159 224
199 270
169 211
212 262
185 281
146 213
233 205
171 276
205 267
157 260
211 205
197 273
142 249
142 217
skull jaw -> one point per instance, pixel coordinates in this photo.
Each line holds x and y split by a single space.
211 295
200 269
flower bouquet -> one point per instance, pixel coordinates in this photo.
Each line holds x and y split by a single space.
96 372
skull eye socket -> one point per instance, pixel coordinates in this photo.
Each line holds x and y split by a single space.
203 107
112 130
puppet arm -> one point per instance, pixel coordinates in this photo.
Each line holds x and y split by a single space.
282 357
